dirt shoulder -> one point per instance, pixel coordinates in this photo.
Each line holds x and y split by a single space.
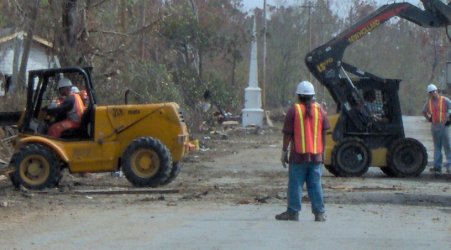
232 168
242 166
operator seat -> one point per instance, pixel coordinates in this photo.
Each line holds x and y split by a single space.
83 131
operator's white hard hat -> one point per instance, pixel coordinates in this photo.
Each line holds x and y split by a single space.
64 82
75 90
431 87
305 88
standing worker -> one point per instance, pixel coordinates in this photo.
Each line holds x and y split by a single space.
436 111
304 129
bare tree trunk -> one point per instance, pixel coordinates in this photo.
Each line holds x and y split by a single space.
195 51
21 76
142 35
123 15
233 70
70 20
435 46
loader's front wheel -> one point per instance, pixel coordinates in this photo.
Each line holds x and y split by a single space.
406 157
351 157
146 162
36 167
176 167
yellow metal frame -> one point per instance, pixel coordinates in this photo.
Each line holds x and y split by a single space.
378 155
115 127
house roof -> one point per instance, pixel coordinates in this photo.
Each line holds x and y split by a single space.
21 34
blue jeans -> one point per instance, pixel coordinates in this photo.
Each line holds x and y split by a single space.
311 174
440 137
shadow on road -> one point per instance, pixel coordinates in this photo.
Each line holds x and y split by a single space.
384 198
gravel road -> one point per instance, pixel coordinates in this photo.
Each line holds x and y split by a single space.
227 196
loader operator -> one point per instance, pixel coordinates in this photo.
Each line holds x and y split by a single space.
375 108
436 111
305 129
69 112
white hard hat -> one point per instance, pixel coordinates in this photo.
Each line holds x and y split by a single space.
64 82
432 87
75 90
305 88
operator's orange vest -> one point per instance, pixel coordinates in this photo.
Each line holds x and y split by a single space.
308 130
77 111
438 111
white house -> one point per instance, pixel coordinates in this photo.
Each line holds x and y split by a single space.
40 55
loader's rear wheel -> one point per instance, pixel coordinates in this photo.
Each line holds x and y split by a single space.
351 157
146 162
176 167
36 167
406 157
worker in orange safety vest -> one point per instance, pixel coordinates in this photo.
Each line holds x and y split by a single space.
71 109
436 111
304 129
79 95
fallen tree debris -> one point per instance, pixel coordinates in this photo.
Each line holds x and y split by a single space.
6 171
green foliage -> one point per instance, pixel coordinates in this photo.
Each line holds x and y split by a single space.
221 94
148 83
155 82
16 102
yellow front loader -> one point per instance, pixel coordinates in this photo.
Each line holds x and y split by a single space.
146 141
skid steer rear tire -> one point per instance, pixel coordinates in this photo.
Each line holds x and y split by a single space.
351 157
146 162
36 167
331 169
407 157
388 171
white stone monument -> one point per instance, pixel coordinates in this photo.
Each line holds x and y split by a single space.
253 112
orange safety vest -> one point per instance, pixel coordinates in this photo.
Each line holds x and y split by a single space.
438 112
308 130
78 109
84 97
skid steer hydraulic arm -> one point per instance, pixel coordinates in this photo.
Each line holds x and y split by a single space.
325 62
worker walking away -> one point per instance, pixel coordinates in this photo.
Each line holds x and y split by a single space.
436 110
304 131
69 111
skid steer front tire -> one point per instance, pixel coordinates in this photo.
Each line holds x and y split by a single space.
351 157
146 162
36 167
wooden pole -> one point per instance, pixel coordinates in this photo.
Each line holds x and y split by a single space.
264 57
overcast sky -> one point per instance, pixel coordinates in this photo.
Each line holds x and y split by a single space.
251 4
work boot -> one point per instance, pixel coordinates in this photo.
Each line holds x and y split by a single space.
435 171
320 217
288 215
